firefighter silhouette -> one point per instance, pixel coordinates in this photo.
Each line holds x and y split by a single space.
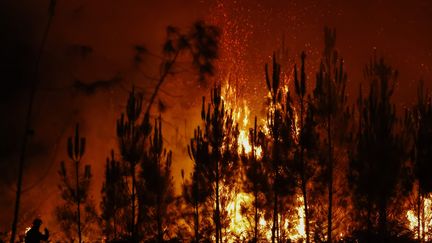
33 235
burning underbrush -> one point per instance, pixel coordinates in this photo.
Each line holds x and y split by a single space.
253 180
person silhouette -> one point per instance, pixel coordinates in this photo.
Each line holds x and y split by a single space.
33 235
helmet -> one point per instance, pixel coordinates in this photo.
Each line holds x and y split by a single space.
37 222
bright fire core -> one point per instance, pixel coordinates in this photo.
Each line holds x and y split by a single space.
239 223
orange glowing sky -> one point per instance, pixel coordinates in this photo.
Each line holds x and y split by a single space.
398 30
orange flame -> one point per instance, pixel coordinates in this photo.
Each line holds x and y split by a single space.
241 113
239 223
425 223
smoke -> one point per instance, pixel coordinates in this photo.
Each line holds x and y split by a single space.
86 70
88 66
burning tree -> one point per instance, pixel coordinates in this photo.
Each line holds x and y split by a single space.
278 152
290 165
75 193
255 181
305 142
215 154
418 124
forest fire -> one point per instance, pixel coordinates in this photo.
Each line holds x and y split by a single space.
424 222
240 223
241 117
283 148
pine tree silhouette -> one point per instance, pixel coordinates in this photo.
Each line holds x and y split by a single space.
115 200
330 104
376 163
133 130
256 179
418 123
74 192
278 152
197 191
218 143
201 42
300 90
157 186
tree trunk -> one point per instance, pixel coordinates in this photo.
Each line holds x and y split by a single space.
78 200
383 217
115 224
196 221
275 211
306 211
158 206
369 219
330 170
303 174
419 236
134 239
256 214
275 189
217 213
255 186
423 222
